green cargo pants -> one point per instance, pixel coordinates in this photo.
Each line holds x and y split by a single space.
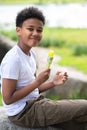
43 112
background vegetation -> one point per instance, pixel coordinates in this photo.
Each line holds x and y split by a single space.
39 1
70 44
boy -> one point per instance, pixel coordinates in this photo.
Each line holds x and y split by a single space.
20 87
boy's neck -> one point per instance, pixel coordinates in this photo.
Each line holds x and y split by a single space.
24 49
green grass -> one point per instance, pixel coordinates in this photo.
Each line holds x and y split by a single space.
77 62
69 38
67 35
39 1
0 99
78 95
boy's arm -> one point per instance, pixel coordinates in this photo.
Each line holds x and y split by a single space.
59 79
11 94
45 86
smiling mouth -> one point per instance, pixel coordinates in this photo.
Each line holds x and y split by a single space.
35 39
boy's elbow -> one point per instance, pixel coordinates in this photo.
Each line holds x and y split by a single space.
7 101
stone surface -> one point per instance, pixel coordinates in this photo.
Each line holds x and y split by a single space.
5 45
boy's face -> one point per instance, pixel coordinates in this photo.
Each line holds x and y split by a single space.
30 33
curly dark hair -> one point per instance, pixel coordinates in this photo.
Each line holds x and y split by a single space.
31 12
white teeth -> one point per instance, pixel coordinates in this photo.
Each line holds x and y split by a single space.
34 38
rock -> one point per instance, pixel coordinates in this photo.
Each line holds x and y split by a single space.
5 45
4 41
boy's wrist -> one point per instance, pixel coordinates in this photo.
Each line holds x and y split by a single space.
52 84
37 82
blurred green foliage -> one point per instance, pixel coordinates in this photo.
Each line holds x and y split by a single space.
78 95
69 43
39 1
80 50
0 99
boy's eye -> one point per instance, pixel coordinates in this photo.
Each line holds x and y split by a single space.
39 30
30 29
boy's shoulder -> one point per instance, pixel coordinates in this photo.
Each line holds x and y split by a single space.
11 54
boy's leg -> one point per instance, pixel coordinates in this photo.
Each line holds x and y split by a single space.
44 112
71 125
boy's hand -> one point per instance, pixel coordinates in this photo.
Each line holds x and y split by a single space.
60 78
43 76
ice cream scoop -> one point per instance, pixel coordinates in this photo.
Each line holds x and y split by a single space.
50 58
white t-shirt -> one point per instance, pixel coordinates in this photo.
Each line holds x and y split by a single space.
17 65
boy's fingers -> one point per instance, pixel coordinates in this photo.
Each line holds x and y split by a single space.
58 72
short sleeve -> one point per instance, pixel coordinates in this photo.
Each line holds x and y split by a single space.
10 68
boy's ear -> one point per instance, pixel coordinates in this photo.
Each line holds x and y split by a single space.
18 31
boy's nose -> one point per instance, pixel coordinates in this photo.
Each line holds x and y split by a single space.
35 32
